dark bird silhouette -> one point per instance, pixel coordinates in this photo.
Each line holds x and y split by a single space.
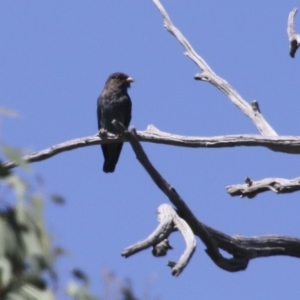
113 103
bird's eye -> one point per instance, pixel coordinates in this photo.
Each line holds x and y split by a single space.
116 77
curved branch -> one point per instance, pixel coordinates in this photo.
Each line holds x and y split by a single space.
257 246
277 185
294 38
233 264
169 221
161 233
209 75
190 242
285 144
241 248
66 146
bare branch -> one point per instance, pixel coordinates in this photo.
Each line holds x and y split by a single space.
294 38
276 185
285 144
241 248
66 146
233 264
190 242
170 221
209 75
161 233
257 246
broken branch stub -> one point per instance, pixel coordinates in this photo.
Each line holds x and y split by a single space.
169 222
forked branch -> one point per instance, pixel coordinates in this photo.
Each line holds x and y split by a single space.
169 222
252 111
242 249
210 76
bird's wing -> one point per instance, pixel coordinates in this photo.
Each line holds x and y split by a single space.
99 112
127 112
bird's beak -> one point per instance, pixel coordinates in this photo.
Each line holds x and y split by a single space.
129 80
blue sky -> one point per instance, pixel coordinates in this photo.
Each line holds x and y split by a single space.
55 58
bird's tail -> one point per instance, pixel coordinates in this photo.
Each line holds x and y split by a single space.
111 156
108 167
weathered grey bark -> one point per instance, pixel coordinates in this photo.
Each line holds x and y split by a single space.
277 185
210 76
242 249
233 264
285 144
169 222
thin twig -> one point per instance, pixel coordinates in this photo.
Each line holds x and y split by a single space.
209 75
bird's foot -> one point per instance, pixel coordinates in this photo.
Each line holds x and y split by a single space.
102 132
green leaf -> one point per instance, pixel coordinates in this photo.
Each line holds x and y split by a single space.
8 112
80 275
37 209
79 293
14 296
15 156
2 237
10 238
5 272
57 199
4 172
30 239
29 292
19 187
36 218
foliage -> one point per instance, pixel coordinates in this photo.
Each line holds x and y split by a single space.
27 255
25 252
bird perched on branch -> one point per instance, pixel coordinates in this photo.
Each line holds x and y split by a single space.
113 103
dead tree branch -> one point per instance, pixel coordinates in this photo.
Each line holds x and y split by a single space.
294 38
277 185
285 144
162 232
233 264
252 111
169 222
210 76
241 248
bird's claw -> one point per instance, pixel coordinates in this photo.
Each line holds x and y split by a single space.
102 132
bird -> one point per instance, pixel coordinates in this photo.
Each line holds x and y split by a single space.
113 103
